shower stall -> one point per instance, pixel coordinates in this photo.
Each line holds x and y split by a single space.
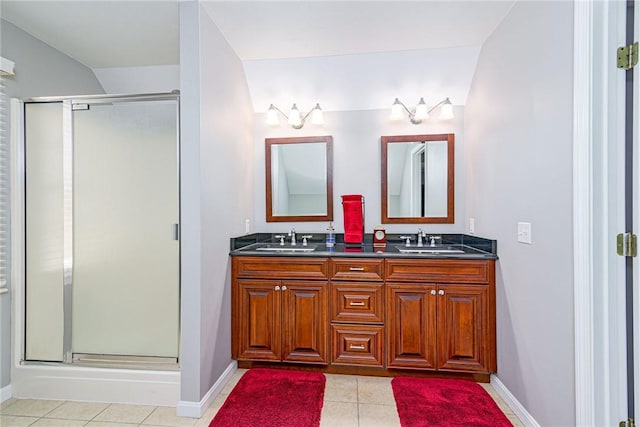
99 205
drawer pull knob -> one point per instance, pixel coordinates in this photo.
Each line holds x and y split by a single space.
356 268
357 303
277 288
440 292
356 347
284 288
433 291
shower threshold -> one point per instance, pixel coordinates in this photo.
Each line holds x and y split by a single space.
125 362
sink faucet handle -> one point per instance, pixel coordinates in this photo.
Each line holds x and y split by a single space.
433 239
304 239
407 240
281 237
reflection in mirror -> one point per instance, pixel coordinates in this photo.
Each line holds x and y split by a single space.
417 179
299 179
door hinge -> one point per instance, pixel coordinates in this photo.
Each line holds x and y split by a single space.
627 244
628 56
629 423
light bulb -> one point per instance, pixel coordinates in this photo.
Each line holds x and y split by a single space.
317 116
295 119
422 112
272 116
397 110
446 111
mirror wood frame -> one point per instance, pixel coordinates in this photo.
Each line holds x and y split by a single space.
449 219
328 140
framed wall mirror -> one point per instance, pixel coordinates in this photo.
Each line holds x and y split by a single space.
417 179
299 179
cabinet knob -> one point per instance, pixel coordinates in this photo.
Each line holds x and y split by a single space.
284 288
440 292
277 288
433 291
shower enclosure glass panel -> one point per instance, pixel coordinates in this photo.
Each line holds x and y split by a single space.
44 232
125 261
102 210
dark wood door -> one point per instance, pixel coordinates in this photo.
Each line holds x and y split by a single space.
411 328
305 307
462 322
259 325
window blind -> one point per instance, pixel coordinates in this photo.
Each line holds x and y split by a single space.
4 189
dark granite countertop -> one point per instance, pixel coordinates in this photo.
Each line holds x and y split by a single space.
456 246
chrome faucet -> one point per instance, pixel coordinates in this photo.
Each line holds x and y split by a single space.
421 234
292 234
407 240
281 237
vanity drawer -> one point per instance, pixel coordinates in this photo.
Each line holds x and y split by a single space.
357 269
357 302
281 267
357 345
438 271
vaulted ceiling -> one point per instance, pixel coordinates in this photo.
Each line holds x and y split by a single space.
424 46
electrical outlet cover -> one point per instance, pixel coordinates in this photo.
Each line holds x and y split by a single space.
524 232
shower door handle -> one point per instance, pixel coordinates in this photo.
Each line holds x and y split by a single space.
175 231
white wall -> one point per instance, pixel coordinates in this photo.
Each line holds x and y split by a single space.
40 70
151 79
364 81
356 165
518 129
216 189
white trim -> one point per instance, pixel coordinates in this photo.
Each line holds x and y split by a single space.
636 225
57 382
582 213
5 393
6 67
196 409
513 403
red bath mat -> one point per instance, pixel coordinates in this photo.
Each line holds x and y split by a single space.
273 398
425 402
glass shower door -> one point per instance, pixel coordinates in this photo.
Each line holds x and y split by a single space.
125 287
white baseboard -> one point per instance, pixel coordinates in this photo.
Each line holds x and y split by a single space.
5 393
196 409
513 403
158 388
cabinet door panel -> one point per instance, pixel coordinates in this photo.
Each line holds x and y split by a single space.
259 320
462 318
411 327
305 308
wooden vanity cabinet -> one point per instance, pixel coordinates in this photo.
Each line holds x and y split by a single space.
441 315
382 313
280 318
357 312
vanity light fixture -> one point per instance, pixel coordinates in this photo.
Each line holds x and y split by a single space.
295 118
421 112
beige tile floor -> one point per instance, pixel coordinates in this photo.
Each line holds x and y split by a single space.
349 401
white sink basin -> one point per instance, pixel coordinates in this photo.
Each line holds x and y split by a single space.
429 250
277 248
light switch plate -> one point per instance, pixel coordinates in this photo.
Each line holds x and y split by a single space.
247 226
524 232
472 225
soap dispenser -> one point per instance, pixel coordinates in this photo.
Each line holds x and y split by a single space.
330 241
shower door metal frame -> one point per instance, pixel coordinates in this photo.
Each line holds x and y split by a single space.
68 104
